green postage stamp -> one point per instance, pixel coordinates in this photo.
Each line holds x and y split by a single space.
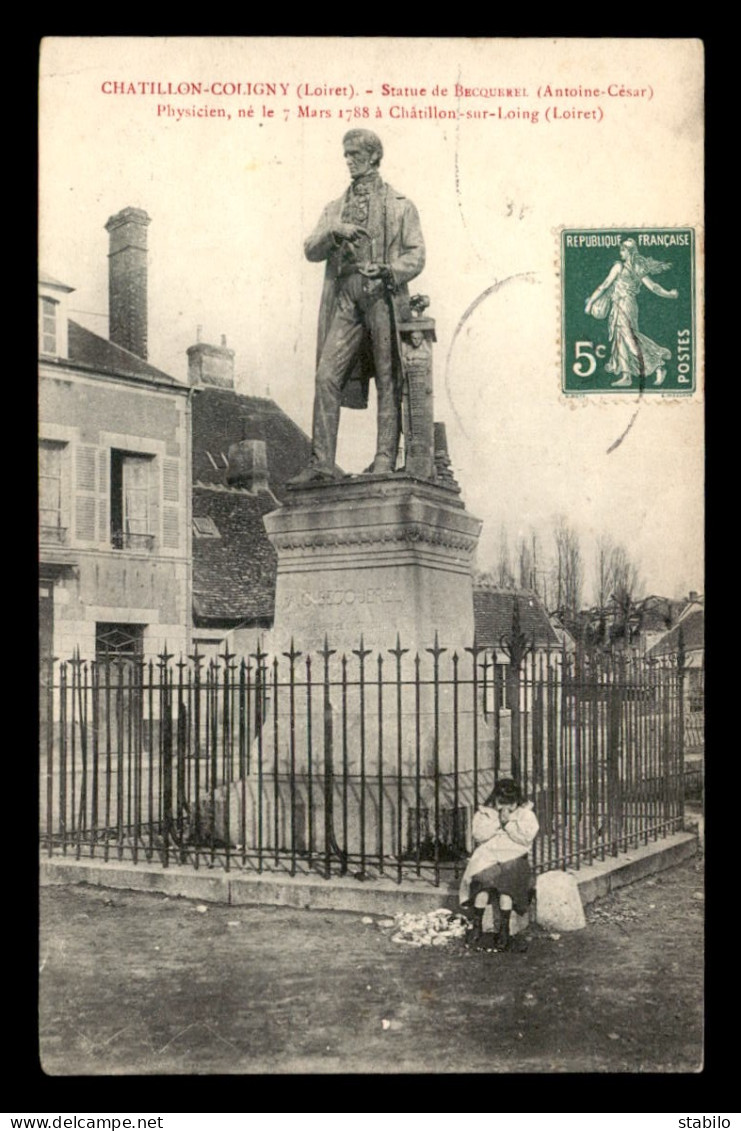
628 309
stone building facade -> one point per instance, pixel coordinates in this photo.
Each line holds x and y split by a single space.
114 473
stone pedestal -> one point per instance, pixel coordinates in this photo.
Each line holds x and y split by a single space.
386 763
375 560
375 557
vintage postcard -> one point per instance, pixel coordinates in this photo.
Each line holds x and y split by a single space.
495 247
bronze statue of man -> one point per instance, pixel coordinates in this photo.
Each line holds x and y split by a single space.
372 243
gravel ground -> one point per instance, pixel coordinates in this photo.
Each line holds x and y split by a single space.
141 984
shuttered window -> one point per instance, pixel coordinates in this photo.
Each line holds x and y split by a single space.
85 493
131 487
171 500
51 498
48 326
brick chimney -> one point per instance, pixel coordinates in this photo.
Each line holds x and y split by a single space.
127 280
211 365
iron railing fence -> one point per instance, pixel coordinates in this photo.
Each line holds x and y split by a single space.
364 763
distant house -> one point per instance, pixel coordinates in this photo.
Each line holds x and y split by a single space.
114 473
635 627
656 615
690 627
493 610
565 638
244 449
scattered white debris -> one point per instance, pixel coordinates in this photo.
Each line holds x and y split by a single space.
432 928
234 923
201 908
554 936
393 1025
366 919
385 922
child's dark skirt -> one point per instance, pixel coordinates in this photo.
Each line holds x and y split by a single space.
512 877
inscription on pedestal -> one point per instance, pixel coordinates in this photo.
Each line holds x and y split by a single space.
327 597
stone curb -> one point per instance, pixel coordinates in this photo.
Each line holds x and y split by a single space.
600 879
376 897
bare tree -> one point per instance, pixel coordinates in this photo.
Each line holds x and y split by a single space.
603 570
530 574
525 563
569 569
505 576
535 557
617 587
600 614
625 586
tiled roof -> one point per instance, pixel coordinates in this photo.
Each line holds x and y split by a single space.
659 613
98 353
222 417
693 630
233 575
50 281
492 610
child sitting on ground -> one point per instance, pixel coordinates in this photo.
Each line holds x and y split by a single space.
504 828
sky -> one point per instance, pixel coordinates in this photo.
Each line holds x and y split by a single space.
231 201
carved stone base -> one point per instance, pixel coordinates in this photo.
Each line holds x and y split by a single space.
373 556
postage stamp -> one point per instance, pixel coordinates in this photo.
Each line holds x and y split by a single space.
627 310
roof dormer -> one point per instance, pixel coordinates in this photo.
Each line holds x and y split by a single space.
53 316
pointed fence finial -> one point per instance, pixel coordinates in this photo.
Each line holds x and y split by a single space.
292 655
437 651
398 651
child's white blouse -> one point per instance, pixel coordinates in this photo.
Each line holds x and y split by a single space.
508 840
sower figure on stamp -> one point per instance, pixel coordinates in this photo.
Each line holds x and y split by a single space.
632 354
372 243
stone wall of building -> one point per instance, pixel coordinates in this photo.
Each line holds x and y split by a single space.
101 576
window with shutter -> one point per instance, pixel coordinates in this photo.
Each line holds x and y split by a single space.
85 494
170 496
104 478
131 483
48 326
52 502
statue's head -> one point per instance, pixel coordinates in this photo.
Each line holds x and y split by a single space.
363 151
